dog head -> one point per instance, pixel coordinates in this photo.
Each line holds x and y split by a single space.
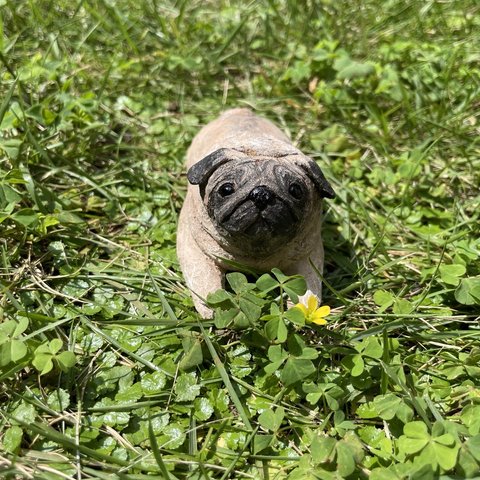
258 203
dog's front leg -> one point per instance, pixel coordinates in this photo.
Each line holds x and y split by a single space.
202 275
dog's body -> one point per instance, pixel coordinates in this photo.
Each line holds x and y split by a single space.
253 199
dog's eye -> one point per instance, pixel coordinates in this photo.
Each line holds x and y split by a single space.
226 189
295 191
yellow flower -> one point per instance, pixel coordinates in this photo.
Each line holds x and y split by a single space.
314 314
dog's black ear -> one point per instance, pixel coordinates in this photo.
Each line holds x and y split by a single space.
200 172
316 176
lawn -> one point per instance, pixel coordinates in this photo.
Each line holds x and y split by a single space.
106 370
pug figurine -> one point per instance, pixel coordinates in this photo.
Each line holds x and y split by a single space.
253 199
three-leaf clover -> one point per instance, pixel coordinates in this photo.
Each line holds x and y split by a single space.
438 448
12 348
47 353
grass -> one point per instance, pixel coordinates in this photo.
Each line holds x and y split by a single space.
106 370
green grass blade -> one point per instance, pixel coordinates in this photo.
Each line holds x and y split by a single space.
226 380
157 455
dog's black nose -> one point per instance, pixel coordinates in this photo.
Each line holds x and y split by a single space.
261 196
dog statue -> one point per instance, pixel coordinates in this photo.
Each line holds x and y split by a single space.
253 199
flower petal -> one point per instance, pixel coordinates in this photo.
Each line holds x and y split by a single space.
324 310
317 318
312 303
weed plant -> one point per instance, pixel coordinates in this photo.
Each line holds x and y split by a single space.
106 371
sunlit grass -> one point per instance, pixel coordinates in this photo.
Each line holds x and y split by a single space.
99 101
